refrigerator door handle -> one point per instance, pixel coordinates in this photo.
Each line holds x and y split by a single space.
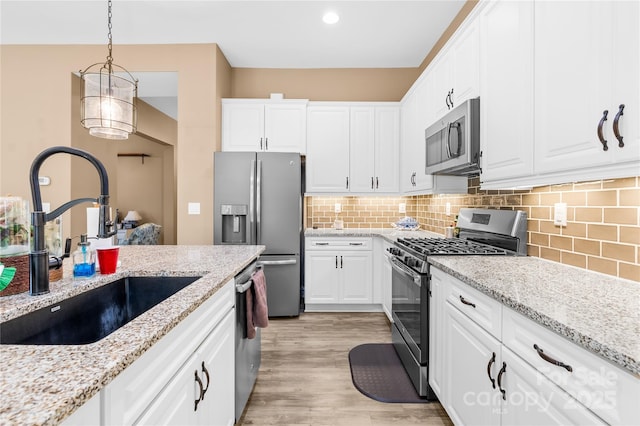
259 202
277 262
252 197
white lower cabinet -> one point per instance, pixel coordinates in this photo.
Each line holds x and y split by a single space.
338 274
160 387
382 275
471 361
492 366
199 393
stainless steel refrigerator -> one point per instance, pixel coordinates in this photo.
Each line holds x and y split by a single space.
258 200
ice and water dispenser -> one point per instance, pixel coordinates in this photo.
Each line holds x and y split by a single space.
234 223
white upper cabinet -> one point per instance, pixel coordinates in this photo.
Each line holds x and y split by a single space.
327 166
353 148
455 71
553 126
263 125
586 66
361 149
506 90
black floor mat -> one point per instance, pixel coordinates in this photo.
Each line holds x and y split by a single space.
377 372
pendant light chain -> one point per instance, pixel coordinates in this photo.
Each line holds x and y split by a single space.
110 45
107 100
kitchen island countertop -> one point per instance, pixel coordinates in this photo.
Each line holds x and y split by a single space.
44 384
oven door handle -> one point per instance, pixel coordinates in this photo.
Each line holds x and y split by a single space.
404 270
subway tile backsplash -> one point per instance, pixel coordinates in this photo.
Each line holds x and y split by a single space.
603 219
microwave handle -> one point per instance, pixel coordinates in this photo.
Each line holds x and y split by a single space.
448 144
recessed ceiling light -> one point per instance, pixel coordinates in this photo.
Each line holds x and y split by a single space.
330 18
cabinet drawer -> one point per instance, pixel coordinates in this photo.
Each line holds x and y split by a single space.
605 389
338 243
482 309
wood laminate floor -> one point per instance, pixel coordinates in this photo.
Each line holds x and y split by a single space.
305 377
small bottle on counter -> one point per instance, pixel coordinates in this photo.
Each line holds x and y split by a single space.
84 259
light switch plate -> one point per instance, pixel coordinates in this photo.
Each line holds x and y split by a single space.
447 209
560 214
193 208
402 208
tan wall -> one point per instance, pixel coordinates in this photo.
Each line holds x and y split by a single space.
356 84
36 113
602 231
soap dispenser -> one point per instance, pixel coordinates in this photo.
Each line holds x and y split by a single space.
84 259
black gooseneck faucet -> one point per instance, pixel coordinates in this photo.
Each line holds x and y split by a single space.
39 260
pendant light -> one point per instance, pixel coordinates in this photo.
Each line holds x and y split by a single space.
107 100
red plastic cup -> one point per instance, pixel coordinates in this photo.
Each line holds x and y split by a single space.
107 259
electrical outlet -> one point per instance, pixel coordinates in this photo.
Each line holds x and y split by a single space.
447 209
337 208
560 214
402 207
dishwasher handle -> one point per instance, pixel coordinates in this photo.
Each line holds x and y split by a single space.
277 262
242 288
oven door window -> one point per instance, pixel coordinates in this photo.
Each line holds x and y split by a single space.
406 309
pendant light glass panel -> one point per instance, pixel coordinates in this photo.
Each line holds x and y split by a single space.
107 105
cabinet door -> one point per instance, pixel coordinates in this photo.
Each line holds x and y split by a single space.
321 277
243 126
386 282
531 399
387 149
217 353
437 331
176 403
442 73
466 63
506 110
356 281
573 75
285 127
472 359
361 149
327 149
416 117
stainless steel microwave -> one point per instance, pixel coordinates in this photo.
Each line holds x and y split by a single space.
453 142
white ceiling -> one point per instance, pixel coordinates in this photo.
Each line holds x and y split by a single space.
251 34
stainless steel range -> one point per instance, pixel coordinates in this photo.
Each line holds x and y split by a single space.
482 232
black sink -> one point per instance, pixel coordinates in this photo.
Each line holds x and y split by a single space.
90 316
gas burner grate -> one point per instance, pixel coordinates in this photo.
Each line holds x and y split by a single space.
448 246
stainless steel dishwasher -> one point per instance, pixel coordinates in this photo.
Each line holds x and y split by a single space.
248 352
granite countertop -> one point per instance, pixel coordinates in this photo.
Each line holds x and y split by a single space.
44 384
596 311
